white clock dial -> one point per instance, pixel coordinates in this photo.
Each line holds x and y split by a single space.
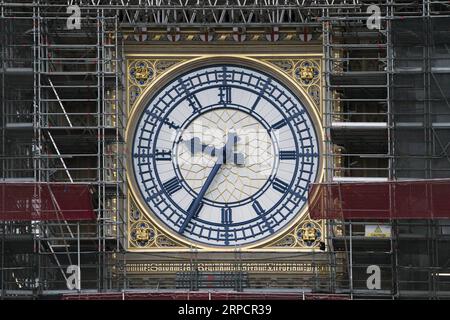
224 155
235 182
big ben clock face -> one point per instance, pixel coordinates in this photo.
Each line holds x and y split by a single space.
223 155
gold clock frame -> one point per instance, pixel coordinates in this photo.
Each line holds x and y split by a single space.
300 72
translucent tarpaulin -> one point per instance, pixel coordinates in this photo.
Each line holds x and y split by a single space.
422 199
41 201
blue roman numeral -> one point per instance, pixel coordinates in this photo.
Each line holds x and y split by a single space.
166 121
225 95
308 154
257 206
227 217
261 213
280 124
172 186
163 155
261 93
280 185
192 99
288 155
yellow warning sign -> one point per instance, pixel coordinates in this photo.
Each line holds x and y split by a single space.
378 231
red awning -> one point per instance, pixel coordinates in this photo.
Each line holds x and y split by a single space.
45 201
422 199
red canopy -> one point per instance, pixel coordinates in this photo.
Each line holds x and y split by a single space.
422 199
45 201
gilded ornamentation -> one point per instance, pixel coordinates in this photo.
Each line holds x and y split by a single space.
163 65
163 241
142 35
309 233
288 241
142 72
133 92
135 214
306 72
314 93
286 65
144 234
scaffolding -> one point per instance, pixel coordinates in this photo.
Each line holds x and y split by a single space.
386 118
386 114
62 123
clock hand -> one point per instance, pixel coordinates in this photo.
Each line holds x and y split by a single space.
236 158
195 146
193 208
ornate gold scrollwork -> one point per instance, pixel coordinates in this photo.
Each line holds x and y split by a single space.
306 73
309 233
143 233
142 72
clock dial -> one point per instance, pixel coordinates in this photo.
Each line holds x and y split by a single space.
235 183
223 155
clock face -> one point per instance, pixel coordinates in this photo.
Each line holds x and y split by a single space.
223 155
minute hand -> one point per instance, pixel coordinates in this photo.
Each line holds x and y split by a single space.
222 156
192 210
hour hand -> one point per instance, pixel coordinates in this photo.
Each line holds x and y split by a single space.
238 159
195 146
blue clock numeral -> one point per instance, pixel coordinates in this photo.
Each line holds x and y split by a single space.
288 155
227 217
172 186
280 124
261 93
261 213
192 98
280 185
166 121
163 155
194 103
257 206
225 95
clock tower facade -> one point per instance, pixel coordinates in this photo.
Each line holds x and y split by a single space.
221 150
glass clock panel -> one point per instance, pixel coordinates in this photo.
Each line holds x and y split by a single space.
223 155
